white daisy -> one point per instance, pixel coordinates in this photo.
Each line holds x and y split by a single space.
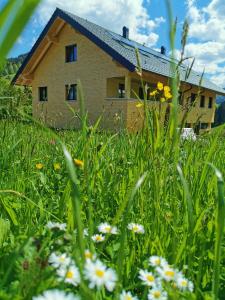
184 284
69 275
136 228
157 261
99 275
55 225
89 255
147 277
127 296
106 228
98 238
61 260
56 295
157 293
166 273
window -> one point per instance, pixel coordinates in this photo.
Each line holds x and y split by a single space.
204 125
180 97
141 93
43 93
193 98
210 102
188 125
71 92
202 101
71 53
121 90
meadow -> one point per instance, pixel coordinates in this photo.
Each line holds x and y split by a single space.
80 179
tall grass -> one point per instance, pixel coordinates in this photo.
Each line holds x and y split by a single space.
162 203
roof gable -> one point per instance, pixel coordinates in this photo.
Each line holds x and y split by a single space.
120 49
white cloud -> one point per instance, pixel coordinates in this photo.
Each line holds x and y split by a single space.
207 33
111 14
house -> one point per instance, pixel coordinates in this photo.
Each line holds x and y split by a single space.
72 48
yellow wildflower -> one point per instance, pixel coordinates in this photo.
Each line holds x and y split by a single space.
139 105
168 95
167 89
39 166
160 86
78 163
162 100
57 166
154 93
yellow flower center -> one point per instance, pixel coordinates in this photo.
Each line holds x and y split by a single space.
150 278
135 228
169 273
88 255
69 274
184 283
108 228
98 238
99 273
127 297
157 261
62 259
156 294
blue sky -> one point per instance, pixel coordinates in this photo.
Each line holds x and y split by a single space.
148 23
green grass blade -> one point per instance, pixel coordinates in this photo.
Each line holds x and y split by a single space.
18 13
220 222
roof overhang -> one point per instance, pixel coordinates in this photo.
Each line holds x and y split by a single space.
49 36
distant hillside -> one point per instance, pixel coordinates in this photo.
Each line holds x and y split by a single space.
220 99
12 65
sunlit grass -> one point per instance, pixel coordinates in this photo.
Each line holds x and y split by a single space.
124 183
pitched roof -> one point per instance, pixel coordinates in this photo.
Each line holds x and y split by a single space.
122 50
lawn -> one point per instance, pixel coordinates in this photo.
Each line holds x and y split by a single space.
158 198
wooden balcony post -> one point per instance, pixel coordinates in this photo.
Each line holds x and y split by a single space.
127 87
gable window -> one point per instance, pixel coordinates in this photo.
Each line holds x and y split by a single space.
202 101
121 90
43 93
71 92
71 53
210 102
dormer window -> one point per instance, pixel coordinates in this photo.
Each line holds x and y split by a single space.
71 53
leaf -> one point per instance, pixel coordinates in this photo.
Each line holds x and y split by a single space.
13 19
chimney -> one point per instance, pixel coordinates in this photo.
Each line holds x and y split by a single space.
163 50
125 32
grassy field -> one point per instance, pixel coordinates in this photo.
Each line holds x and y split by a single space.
171 190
